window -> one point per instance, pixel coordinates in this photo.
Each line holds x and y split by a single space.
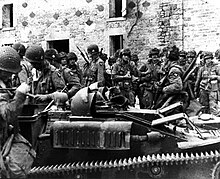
117 8
59 45
7 16
116 42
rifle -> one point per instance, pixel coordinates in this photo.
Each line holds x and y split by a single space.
83 55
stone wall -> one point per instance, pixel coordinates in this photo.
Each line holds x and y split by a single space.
189 24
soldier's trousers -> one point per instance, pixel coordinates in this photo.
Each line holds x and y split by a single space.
145 98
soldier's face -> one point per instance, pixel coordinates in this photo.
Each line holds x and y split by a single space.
5 76
37 65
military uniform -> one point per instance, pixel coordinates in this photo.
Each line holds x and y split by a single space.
94 72
50 80
172 88
125 85
150 73
72 80
209 87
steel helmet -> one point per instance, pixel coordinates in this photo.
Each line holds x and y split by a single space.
81 102
20 48
125 51
72 55
51 54
93 49
35 53
9 60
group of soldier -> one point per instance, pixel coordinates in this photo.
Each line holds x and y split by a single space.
34 75
166 76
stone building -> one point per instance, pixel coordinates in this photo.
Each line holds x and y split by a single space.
112 24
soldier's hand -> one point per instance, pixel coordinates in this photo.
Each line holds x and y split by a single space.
59 96
41 97
23 88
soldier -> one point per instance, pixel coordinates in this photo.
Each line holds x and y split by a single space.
183 60
25 74
95 69
13 164
63 58
123 72
150 73
171 84
50 79
73 65
208 84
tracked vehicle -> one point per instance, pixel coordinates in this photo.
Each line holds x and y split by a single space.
114 141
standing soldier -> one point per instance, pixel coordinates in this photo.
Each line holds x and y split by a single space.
95 69
14 164
208 84
123 72
25 74
73 65
150 73
50 79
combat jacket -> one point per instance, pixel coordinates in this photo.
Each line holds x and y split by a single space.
10 108
149 74
120 69
49 81
174 80
72 80
94 72
203 77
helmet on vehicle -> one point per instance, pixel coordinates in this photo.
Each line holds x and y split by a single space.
154 51
126 52
51 54
9 60
72 55
35 53
20 48
93 49
80 106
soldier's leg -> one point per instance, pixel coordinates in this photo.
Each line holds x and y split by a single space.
204 100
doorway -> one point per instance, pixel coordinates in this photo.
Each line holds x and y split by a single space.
59 45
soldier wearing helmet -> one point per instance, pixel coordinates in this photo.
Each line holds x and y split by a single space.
11 106
124 71
150 73
50 78
207 84
171 84
25 74
183 60
95 69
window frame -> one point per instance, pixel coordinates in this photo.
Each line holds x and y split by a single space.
3 3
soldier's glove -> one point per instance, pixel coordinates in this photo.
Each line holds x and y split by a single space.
23 88
41 97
